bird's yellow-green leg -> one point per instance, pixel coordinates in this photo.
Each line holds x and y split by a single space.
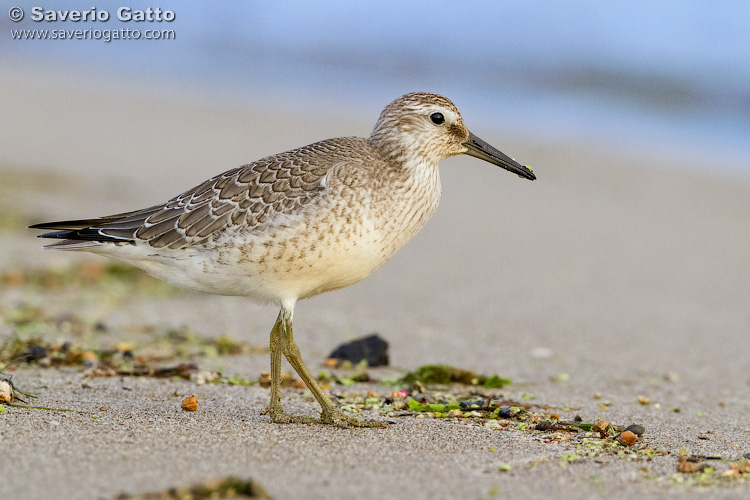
274 409
284 343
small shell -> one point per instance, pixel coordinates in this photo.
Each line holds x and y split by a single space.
627 438
190 403
6 392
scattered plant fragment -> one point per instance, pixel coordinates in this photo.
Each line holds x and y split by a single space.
692 472
229 487
603 428
690 465
738 470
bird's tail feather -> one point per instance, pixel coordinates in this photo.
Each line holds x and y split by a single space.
88 233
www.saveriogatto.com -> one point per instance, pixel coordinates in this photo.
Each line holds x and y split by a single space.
92 24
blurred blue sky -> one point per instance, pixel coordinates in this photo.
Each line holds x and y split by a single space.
667 74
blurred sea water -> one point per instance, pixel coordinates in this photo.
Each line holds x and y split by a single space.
671 75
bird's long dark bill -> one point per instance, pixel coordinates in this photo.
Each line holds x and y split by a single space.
478 148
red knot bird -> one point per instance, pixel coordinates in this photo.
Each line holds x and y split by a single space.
296 224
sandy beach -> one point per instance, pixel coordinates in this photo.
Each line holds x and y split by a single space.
629 268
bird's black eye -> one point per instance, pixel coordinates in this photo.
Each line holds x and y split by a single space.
437 118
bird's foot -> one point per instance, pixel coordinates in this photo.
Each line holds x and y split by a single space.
279 416
340 419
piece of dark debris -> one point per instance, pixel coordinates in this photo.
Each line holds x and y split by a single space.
636 429
372 349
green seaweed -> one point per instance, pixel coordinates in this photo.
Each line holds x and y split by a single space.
446 374
415 405
495 382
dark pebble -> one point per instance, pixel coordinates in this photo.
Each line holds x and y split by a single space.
505 412
636 429
373 349
36 352
577 419
747 455
467 405
544 425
